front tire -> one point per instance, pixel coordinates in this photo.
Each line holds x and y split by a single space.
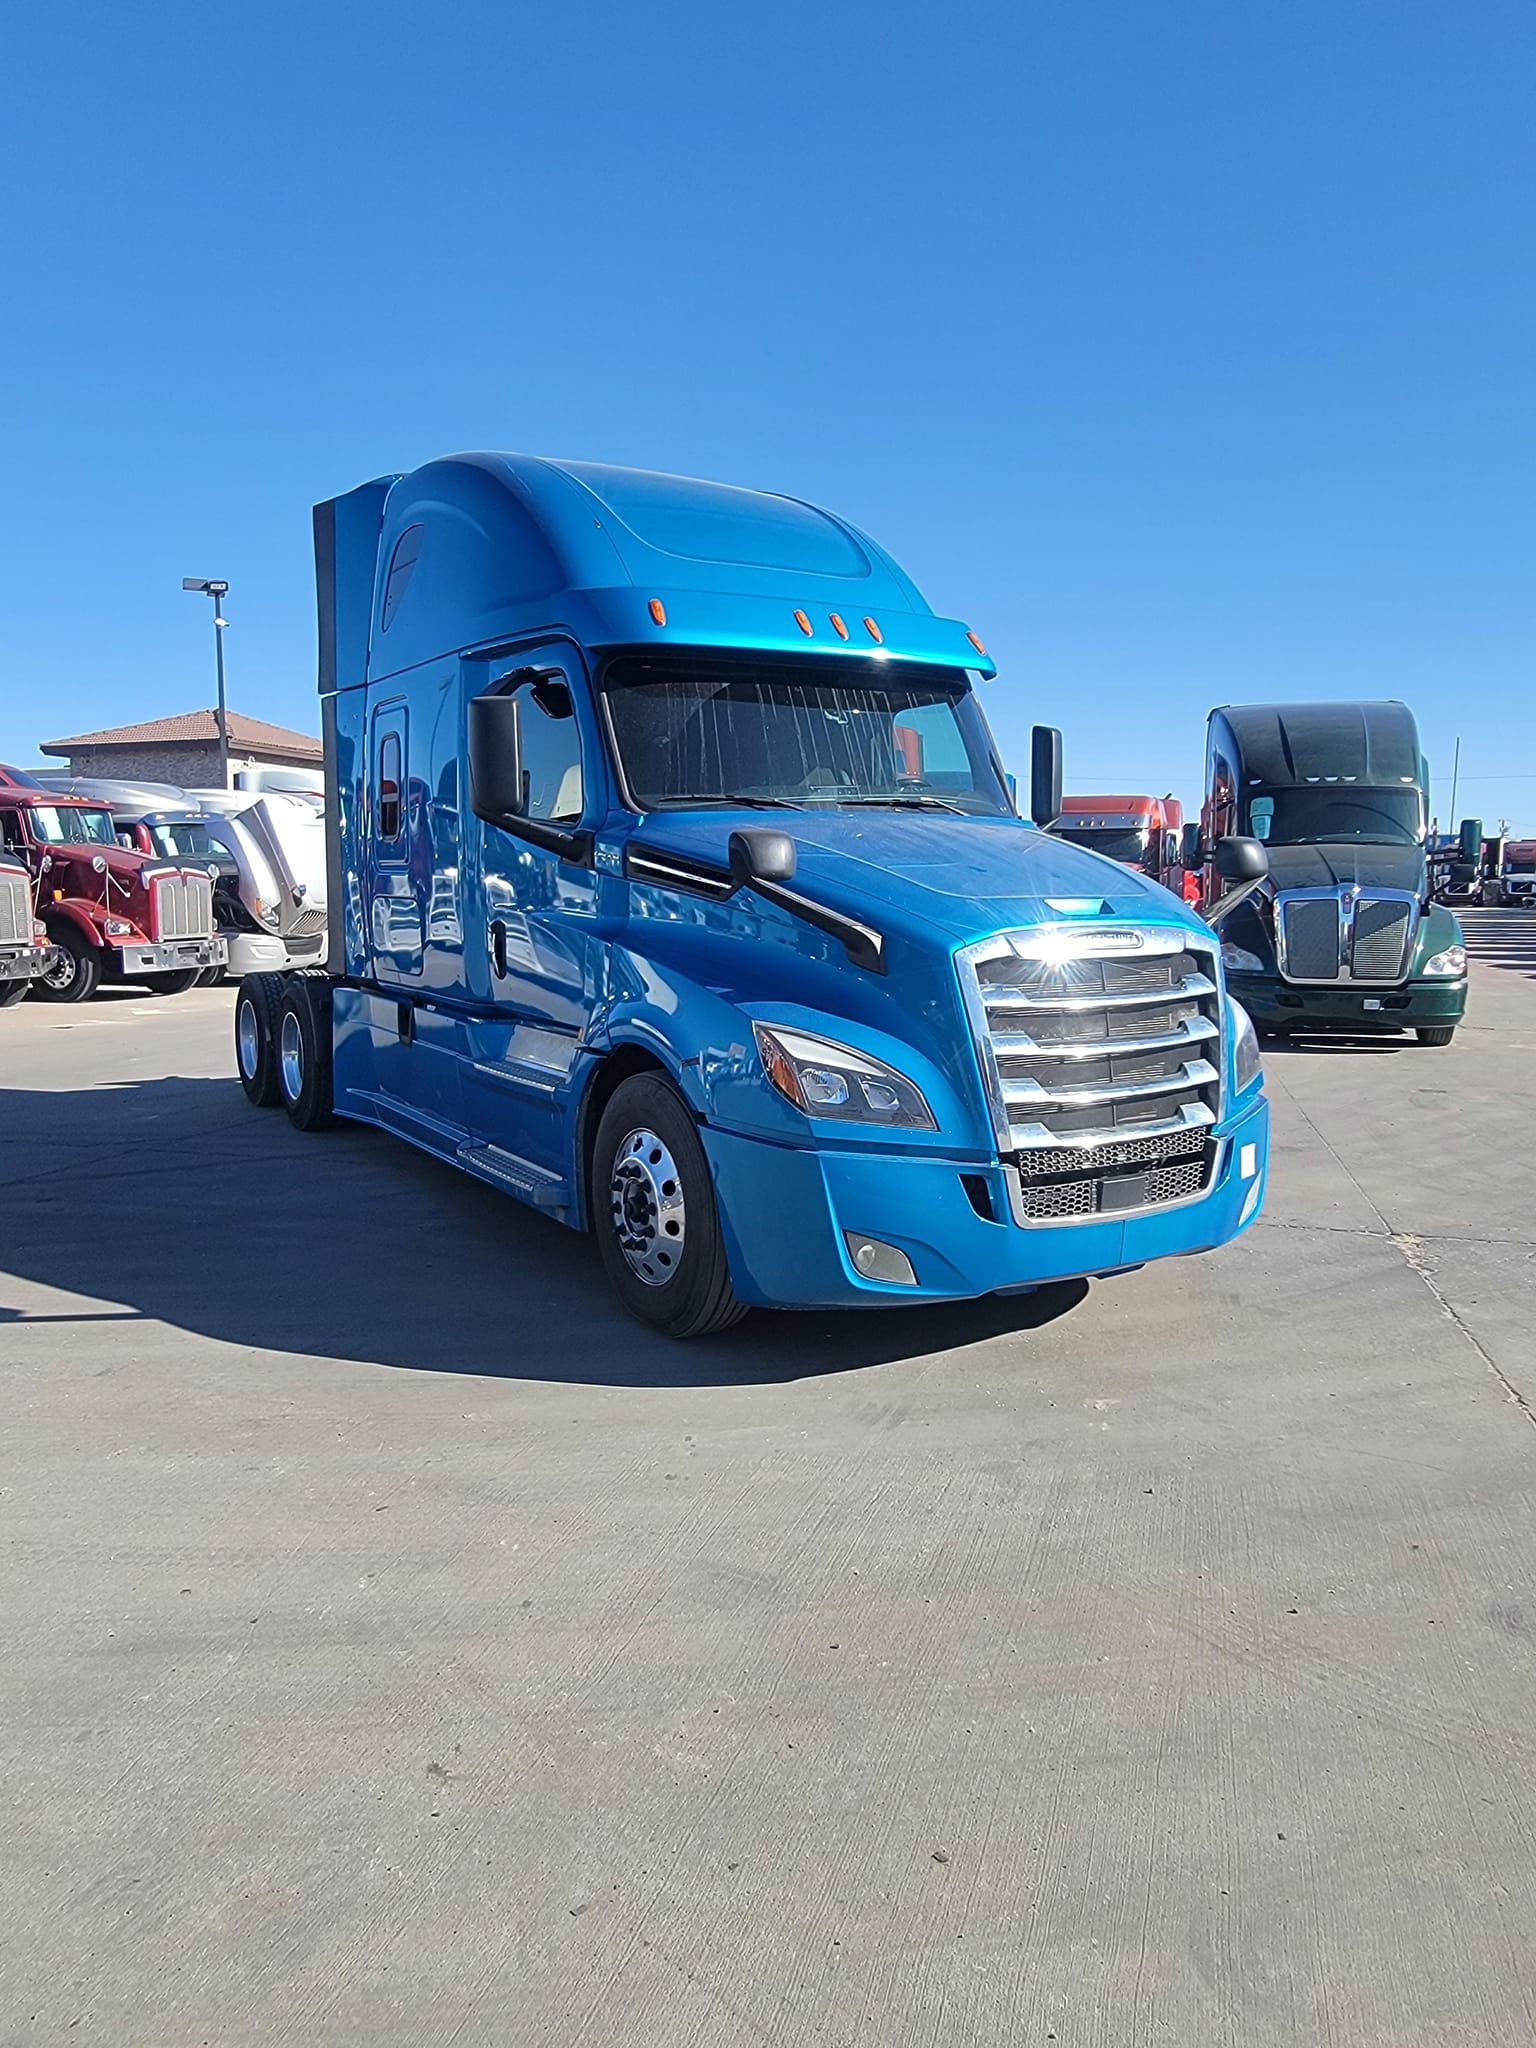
304 1052
1434 1034
11 993
176 983
256 1007
653 1209
75 976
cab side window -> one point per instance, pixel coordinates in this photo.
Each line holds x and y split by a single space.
550 742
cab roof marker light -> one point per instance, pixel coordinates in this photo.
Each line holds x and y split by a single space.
804 623
658 611
975 640
837 626
873 631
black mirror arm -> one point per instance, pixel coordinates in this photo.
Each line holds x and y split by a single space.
1228 903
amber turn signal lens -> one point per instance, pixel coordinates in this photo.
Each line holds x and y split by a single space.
873 630
976 643
658 611
803 623
837 626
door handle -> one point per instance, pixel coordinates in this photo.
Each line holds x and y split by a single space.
498 949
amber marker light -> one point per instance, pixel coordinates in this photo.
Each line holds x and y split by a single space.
658 611
837 626
804 623
976 643
873 631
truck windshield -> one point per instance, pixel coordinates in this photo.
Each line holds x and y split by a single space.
186 841
1120 842
698 732
65 826
1521 864
1312 817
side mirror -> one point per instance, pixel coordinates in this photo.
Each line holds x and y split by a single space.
1240 860
1469 839
1045 775
1189 846
496 790
760 855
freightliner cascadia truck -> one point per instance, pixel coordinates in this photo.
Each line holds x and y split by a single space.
1345 935
676 890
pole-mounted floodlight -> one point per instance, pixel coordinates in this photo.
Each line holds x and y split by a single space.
210 586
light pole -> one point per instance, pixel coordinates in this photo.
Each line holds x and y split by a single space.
211 587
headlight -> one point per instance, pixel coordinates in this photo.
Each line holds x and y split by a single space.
825 1079
269 914
116 929
1238 960
1452 961
1246 1068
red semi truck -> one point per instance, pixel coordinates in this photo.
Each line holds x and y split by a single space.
1145 832
110 915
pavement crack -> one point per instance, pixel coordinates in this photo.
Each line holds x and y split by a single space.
1412 1250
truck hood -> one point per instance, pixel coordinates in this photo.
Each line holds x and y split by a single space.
963 877
1340 863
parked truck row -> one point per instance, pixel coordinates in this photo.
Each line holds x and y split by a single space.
157 886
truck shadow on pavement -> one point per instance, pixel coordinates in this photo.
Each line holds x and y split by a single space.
1502 938
172 1200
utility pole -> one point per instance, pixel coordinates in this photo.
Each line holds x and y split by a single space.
211 587
1455 777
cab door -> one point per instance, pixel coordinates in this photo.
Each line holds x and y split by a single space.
530 944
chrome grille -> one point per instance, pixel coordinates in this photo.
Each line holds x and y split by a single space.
1380 947
1102 1054
15 910
1311 938
183 906
1328 935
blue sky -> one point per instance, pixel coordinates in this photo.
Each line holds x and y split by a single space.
1188 351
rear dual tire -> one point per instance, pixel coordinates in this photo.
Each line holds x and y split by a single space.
283 1046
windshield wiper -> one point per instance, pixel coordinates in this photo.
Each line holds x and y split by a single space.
912 803
742 803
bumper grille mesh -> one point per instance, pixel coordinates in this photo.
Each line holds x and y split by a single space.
1120 1194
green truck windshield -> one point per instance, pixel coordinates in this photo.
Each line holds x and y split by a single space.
1334 811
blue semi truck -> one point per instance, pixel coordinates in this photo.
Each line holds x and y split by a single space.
677 890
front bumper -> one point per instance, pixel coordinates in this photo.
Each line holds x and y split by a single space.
784 1212
30 964
168 956
1276 1005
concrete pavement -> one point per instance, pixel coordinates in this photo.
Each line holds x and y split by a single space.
400 1646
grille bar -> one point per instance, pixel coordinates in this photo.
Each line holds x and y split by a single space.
1191 1032
1000 996
1033 1094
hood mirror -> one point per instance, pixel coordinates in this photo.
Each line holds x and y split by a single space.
760 855
1244 866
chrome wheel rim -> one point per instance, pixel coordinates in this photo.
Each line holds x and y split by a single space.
248 1038
291 1056
649 1216
63 973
